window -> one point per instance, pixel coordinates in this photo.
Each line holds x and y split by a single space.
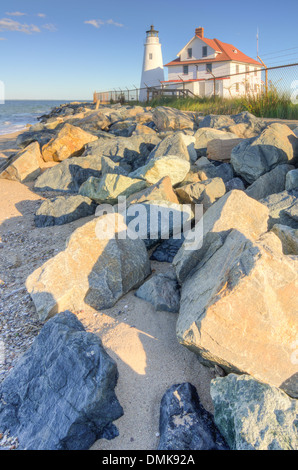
209 68
204 51
256 72
150 56
189 53
237 68
185 69
237 87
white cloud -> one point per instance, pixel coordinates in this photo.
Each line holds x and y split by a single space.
95 23
15 13
114 23
2 39
99 23
41 15
7 24
50 27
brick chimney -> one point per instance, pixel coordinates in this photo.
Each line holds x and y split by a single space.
199 32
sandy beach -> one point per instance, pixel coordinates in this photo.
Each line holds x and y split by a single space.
141 341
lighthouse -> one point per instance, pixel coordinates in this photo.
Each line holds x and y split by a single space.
153 72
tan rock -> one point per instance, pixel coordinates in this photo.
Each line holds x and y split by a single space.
24 166
161 191
204 192
91 270
69 142
171 165
239 310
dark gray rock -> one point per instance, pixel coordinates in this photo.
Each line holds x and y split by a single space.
69 175
63 210
42 137
235 183
167 250
162 291
60 395
283 208
270 183
184 423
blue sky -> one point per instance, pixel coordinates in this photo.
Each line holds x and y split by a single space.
64 49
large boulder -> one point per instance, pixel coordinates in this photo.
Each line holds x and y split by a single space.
254 416
240 306
171 165
171 119
160 191
162 291
253 157
69 142
223 171
288 237
63 210
272 182
177 144
205 135
93 122
24 166
235 210
283 208
108 188
95 268
244 125
134 150
70 174
204 192
167 250
60 394
185 424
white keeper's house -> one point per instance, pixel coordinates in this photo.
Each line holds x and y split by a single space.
205 66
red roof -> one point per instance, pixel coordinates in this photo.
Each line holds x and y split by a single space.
226 54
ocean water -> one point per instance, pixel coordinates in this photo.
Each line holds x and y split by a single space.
16 114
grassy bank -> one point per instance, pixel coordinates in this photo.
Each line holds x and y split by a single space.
271 106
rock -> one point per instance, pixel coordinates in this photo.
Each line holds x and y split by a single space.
235 210
42 137
244 125
162 291
133 150
60 394
177 144
92 122
97 271
254 416
154 221
288 237
223 171
283 208
205 192
174 167
70 174
24 166
108 166
253 157
160 191
108 188
230 310
141 129
69 142
272 182
184 423
235 183
292 180
171 119
63 210
167 250
123 128
205 135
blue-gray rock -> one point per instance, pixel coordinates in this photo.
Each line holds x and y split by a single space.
63 210
235 183
254 416
167 250
270 183
184 423
60 395
42 137
283 208
162 291
292 180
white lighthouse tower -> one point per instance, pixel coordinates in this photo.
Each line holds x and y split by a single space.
153 72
